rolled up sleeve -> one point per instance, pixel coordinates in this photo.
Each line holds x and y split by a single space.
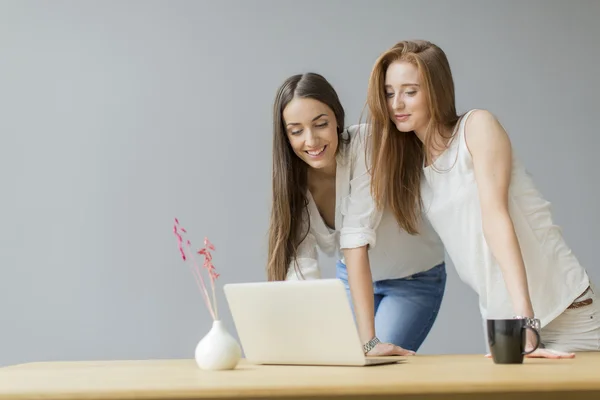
360 216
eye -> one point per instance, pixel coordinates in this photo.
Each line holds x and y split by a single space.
322 125
411 93
296 132
389 95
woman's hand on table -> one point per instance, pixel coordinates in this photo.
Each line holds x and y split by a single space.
389 349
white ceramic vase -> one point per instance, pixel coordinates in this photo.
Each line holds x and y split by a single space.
218 350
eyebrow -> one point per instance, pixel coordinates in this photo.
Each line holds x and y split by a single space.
313 120
404 84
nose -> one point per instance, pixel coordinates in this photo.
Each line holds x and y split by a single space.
398 104
311 139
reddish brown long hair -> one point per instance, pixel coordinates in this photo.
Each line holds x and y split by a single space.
397 157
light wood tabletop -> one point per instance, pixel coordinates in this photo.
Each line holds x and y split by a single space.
418 377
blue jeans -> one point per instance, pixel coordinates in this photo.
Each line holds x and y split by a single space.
406 308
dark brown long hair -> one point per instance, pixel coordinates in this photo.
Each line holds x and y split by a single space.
289 202
397 157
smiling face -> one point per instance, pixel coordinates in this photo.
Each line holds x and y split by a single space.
311 129
406 98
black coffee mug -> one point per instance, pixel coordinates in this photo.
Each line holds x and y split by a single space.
507 338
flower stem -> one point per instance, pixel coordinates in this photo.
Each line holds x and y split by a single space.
212 283
200 282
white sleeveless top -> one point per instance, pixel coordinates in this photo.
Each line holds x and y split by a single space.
451 203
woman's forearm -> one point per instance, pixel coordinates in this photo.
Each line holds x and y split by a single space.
361 289
500 235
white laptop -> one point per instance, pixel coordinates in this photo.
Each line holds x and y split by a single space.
307 322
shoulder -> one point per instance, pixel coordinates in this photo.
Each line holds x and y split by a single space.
483 129
480 118
357 135
357 130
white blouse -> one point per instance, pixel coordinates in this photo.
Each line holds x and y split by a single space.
393 253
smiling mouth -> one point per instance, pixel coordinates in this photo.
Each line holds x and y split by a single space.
316 153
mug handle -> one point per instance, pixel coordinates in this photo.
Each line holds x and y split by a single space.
537 342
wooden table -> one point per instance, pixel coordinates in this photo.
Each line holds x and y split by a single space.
419 377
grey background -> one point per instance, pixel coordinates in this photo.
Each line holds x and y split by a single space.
119 115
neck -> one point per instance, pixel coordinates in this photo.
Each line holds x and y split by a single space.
421 135
439 142
322 174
